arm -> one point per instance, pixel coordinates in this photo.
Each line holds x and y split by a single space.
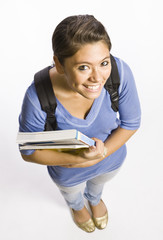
118 138
55 158
52 158
85 158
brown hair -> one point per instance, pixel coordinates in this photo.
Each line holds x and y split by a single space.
75 31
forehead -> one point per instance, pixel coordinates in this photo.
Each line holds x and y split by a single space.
92 52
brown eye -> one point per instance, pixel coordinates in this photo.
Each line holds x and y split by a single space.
105 63
83 67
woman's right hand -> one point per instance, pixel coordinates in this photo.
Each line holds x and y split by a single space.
93 152
90 156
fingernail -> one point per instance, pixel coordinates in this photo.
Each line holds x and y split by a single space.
92 147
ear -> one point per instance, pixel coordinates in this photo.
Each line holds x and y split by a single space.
58 65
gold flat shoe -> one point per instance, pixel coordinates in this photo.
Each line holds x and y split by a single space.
101 222
87 226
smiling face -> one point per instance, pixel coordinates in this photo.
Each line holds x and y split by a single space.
87 71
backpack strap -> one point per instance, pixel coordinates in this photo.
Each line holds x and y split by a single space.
46 97
112 85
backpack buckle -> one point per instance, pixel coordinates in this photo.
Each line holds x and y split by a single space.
50 123
114 96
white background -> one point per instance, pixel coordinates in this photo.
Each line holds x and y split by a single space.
31 206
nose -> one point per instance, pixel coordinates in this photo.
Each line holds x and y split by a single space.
95 75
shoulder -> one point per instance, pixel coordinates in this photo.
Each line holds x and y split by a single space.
31 96
31 106
31 117
123 67
125 73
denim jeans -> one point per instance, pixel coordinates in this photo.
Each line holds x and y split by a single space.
92 192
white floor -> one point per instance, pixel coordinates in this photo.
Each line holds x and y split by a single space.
31 206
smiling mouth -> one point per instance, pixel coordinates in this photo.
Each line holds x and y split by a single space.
93 87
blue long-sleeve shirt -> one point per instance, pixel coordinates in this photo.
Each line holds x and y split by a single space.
100 122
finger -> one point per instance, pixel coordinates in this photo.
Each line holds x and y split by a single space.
92 148
100 147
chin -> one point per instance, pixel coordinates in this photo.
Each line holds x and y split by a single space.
92 96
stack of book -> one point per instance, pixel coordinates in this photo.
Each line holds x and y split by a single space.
59 139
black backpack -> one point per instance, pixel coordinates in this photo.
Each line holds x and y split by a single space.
48 100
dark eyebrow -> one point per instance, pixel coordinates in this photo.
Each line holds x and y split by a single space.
79 63
106 58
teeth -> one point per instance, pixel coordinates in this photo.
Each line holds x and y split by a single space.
93 87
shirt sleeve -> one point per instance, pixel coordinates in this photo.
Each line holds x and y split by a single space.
31 118
129 105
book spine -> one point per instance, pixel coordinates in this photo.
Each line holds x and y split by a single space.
85 139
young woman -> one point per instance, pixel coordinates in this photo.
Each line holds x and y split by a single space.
81 48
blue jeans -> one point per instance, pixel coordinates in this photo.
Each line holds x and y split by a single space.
92 192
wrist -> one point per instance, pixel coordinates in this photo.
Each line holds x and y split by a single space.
105 152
